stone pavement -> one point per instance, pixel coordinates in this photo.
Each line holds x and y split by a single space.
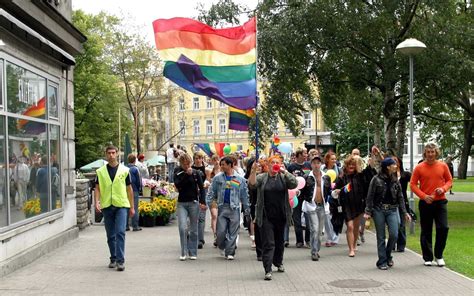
153 268
461 196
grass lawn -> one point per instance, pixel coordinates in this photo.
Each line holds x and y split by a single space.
459 251
463 185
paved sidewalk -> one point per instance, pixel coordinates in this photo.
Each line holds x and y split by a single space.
153 268
461 196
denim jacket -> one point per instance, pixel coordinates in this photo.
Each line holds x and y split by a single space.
237 194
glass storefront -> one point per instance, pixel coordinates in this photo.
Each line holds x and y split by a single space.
30 149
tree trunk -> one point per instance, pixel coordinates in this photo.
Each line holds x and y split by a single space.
401 126
390 118
466 150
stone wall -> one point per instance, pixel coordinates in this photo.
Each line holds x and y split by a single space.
82 198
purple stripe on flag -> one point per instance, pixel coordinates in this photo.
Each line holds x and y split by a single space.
197 83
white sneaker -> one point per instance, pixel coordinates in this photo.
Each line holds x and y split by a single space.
182 258
230 257
440 262
192 257
428 263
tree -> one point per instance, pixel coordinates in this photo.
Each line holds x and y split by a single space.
347 49
136 63
97 92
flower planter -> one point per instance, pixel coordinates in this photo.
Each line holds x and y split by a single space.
146 191
148 221
161 221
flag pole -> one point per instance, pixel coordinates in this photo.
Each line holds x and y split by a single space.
256 82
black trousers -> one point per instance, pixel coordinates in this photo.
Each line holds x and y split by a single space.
297 224
437 211
273 245
258 240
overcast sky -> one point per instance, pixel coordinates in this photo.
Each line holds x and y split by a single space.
144 12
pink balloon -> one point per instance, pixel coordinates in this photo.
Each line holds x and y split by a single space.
291 194
301 182
292 203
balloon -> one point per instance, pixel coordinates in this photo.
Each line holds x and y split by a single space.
226 149
251 148
233 147
332 175
291 194
285 147
301 182
292 202
295 202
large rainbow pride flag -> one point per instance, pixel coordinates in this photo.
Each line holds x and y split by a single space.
218 63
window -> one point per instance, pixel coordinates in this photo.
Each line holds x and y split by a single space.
222 126
182 127
30 156
181 104
209 127
196 128
420 146
196 103
307 122
222 105
53 101
26 92
208 103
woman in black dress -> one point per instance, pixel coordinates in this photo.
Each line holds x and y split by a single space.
351 189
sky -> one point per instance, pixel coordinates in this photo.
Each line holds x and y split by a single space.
144 12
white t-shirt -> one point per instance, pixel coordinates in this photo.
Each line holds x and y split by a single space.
170 156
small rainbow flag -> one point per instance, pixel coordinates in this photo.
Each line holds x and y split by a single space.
239 119
234 183
347 188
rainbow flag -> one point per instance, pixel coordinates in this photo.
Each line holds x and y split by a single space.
347 188
32 127
217 63
205 148
239 119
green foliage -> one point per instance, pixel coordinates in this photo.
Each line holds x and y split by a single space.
97 92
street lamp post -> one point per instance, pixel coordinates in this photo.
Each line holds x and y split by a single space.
411 47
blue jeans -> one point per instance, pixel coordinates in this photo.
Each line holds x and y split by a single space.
115 220
136 195
315 223
228 223
171 167
201 224
331 236
189 242
390 218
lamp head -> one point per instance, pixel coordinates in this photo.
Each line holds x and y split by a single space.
410 46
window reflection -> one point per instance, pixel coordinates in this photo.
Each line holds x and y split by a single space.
26 92
55 185
3 177
25 149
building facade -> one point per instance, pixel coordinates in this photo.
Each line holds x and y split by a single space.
199 119
37 178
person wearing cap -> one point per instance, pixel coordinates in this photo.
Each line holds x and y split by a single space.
313 194
430 181
141 165
384 201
